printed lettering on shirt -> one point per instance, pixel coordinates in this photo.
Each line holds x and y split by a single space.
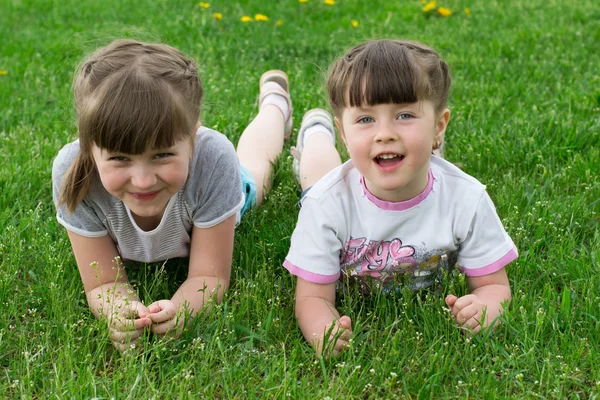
380 262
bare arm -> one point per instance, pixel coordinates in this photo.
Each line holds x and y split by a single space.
107 288
209 272
316 314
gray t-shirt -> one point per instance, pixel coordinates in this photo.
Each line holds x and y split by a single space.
212 193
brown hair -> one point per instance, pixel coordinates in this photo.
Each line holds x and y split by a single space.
130 97
388 71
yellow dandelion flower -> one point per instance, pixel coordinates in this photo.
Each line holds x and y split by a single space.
261 17
444 12
329 2
3 72
303 1
218 16
467 11
204 5
429 6
246 18
354 23
279 22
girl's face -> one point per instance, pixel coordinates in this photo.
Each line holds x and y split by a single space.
144 182
390 145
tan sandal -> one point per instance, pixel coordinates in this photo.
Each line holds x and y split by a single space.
277 82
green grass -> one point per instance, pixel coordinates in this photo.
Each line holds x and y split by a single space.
525 120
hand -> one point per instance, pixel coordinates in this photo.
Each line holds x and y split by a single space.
468 312
166 318
126 323
339 338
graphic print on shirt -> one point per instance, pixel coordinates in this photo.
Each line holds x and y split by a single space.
379 263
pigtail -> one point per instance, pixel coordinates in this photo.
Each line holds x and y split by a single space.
76 182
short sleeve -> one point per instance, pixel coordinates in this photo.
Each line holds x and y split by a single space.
84 220
214 185
487 247
314 253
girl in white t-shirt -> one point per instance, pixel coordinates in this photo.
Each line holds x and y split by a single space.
146 182
394 213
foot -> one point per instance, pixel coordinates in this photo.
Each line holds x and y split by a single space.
316 116
276 83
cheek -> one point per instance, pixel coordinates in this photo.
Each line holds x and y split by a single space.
177 176
113 179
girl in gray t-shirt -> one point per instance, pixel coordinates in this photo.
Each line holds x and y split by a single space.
146 182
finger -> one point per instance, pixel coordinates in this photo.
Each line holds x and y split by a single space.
141 310
172 327
121 317
450 300
163 313
131 310
125 337
341 345
467 314
472 324
345 322
154 308
461 303
124 325
345 334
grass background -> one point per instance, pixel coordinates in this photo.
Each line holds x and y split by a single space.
525 120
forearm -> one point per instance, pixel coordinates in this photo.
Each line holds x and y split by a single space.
315 316
193 294
105 299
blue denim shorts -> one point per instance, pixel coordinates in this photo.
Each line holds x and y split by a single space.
304 192
249 190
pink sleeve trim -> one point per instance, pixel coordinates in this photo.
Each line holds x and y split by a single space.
493 267
309 276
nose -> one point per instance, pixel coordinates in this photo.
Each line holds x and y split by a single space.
143 177
386 133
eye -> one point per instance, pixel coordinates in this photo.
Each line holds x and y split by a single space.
160 156
404 116
365 120
119 158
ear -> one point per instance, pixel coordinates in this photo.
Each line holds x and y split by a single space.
338 124
441 125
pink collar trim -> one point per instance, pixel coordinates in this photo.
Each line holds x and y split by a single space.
399 205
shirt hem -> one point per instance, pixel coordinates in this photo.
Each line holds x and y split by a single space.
221 218
81 232
493 267
310 276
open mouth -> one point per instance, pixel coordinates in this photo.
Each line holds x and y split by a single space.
385 160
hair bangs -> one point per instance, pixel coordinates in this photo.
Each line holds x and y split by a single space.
384 76
138 114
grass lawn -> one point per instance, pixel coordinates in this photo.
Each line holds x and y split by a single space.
525 121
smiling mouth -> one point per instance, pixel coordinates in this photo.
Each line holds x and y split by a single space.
145 196
385 160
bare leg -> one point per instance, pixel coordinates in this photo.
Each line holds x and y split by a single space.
259 146
319 156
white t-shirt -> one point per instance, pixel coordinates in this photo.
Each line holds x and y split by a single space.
344 232
211 194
